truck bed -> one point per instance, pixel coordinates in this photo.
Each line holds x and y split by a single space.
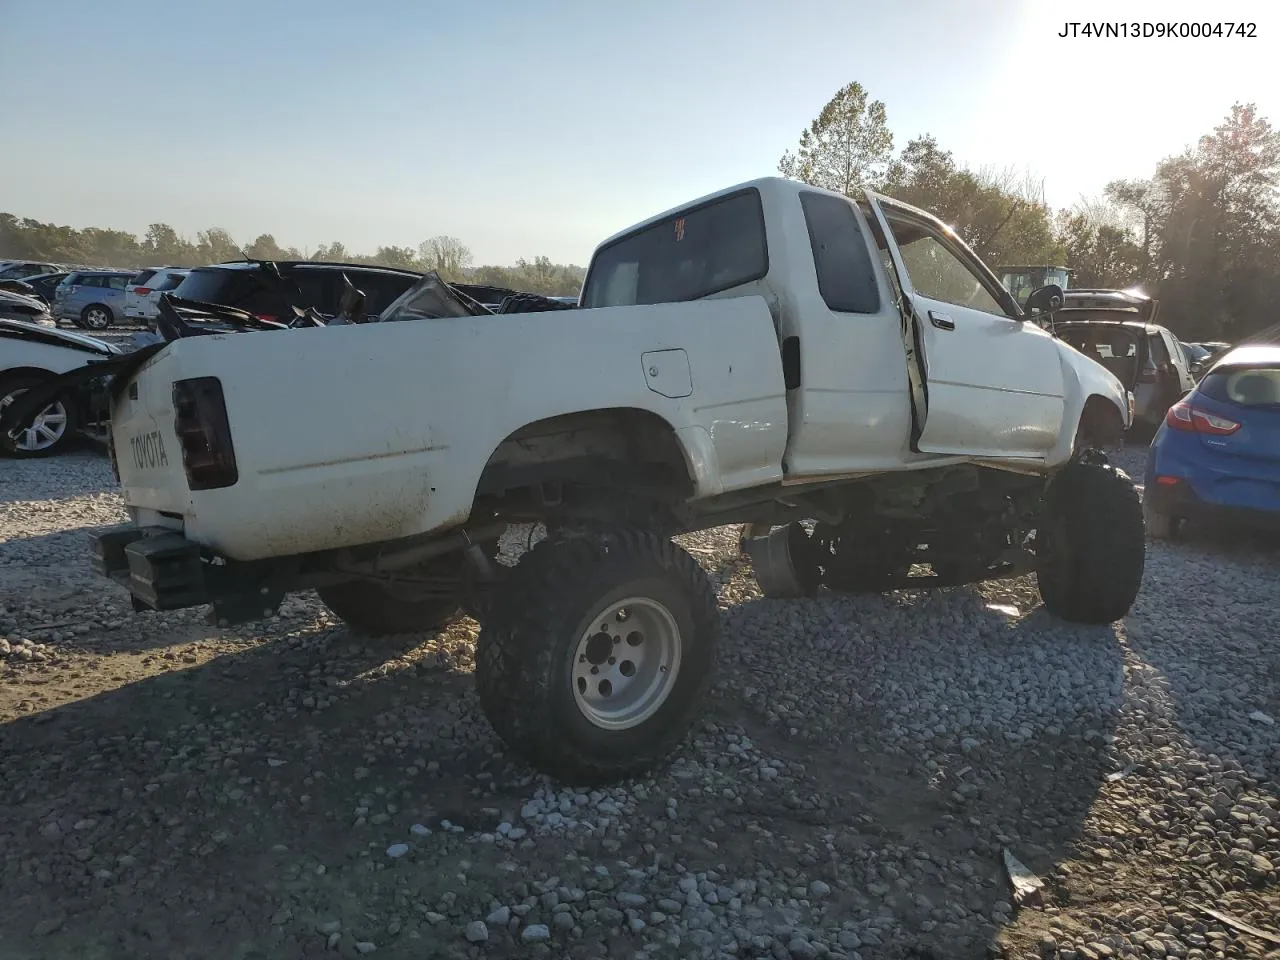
359 434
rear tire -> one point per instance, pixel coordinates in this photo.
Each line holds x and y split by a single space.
96 316
595 657
1090 544
52 429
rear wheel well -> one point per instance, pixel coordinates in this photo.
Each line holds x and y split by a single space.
567 462
1101 424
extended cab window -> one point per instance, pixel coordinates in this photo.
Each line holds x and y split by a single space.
846 279
694 254
937 273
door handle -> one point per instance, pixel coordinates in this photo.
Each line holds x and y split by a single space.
941 320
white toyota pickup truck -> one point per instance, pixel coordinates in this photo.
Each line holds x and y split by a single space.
844 378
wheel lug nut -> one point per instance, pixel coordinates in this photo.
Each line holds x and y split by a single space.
595 669
612 661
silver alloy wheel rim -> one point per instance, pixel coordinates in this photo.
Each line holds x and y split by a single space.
96 319
45 430
626 664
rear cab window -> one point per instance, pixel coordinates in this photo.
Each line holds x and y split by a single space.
694 253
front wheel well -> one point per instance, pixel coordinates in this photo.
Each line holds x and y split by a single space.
1101 424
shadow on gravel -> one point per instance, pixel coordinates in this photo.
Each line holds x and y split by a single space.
172 817
67 474
238 808
1212 638
915 801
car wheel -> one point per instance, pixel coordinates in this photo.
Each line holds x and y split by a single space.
595 657
1090 545
50 430
96 316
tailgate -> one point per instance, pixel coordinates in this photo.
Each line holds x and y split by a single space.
145 445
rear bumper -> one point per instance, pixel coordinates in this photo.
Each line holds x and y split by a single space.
1181 500
162 570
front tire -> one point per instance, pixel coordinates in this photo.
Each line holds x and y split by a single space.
96 316
1090 544
596 655
51 429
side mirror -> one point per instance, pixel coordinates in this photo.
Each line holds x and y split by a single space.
1044 299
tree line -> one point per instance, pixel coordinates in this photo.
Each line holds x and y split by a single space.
24 238
1202 233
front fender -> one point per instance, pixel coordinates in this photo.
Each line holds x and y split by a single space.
1084 378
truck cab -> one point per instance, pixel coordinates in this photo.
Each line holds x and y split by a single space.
898 345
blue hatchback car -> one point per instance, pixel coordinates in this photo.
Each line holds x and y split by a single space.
1217 454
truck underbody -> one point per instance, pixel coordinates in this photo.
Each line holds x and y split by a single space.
968 522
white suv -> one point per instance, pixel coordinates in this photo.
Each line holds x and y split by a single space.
142 294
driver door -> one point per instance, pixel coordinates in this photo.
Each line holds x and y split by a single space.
990 384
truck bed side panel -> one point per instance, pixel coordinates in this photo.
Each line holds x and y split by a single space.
350 435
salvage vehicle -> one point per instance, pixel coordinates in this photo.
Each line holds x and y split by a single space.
28 309
21 269
1117 328
142 292
44 285
93 299
1216 457
254 286
772 355
32 356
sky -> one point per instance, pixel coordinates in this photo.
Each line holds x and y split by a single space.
540 128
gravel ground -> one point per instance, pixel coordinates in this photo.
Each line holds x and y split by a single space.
288 790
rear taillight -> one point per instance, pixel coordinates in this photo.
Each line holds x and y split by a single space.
269 317
204 433
142 291
1183 416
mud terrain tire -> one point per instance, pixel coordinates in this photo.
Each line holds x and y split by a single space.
574 614
1090 545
